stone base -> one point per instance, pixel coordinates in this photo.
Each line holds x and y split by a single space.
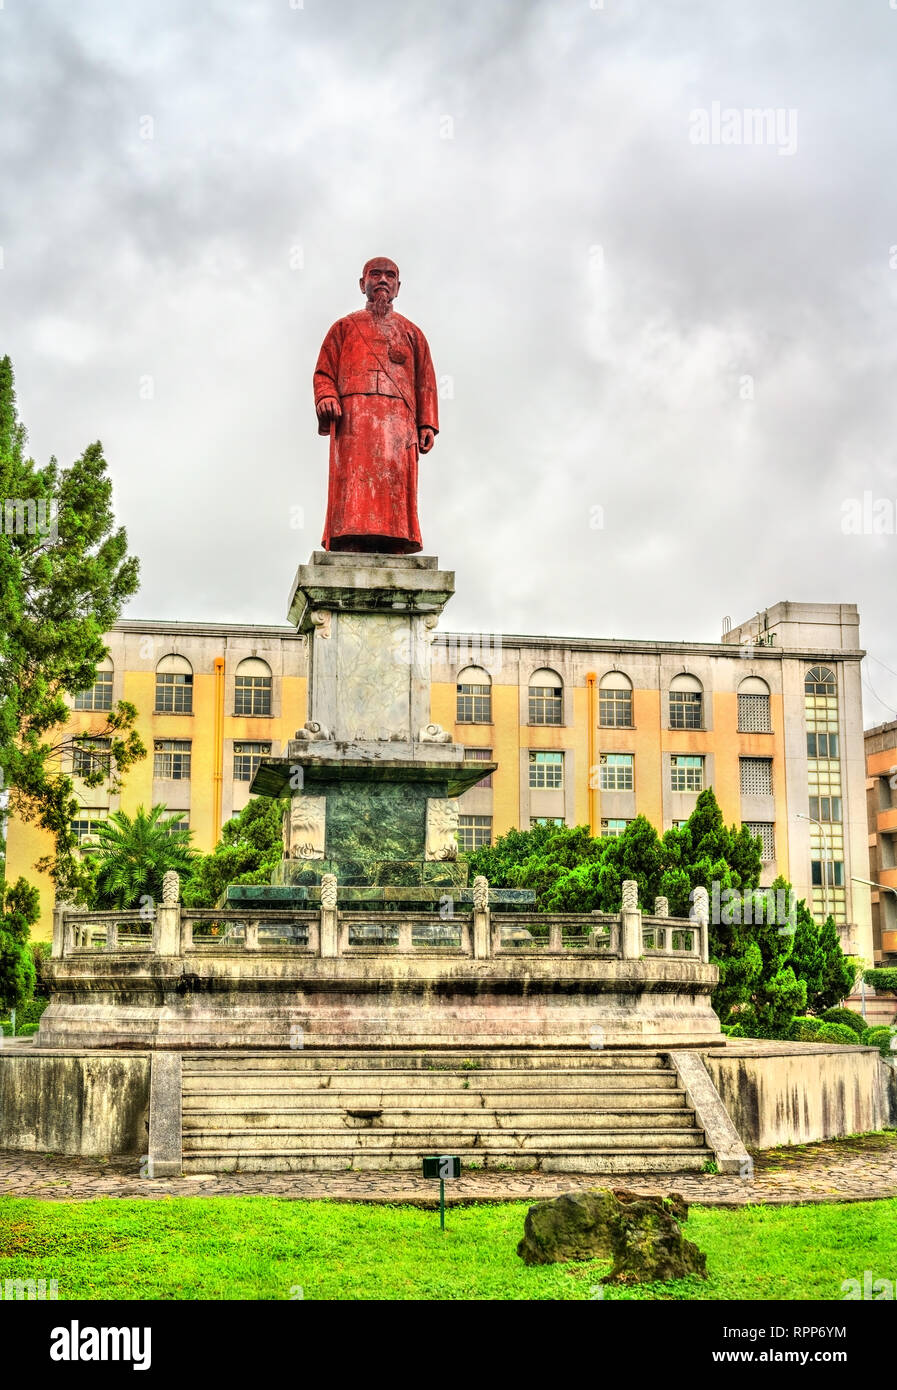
215 998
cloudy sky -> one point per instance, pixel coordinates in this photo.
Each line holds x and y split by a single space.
666 350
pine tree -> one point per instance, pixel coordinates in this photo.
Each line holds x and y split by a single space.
65 575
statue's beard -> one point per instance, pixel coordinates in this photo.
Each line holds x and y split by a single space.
380 303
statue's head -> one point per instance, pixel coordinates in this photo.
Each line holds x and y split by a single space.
380 281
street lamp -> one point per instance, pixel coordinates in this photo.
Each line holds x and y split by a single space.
821 824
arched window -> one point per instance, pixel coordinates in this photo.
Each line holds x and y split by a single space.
546 697
474 696
820 680
686 703
98 695
174 685
615 701
252 694
753 706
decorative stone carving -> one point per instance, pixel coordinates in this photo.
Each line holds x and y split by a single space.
311 731
171 888
322 618
480 893
700 907
661 907
434 733
442 826
308 816
328 891
630 895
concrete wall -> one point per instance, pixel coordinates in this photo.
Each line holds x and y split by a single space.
796 1093
92 1104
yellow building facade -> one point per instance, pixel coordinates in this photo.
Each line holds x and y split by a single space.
584 732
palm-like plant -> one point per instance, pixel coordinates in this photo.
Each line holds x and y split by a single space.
133 855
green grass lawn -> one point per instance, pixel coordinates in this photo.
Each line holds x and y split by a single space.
266 1248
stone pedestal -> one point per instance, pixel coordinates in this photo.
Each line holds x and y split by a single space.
369 783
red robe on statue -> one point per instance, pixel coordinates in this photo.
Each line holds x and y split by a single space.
380 370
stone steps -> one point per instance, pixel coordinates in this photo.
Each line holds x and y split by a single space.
330 1101
588 1112
431 1120
430 1062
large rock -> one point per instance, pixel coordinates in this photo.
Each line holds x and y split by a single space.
642 1233
649 1246
574 1226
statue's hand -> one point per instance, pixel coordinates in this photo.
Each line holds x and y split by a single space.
329 408
425 440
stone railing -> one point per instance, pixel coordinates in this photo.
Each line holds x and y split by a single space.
173 930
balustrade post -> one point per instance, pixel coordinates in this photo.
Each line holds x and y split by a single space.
700 917
251 938
112 935
555 937
406 943
661 907
329 930
167 920
483 946
59 931
631 944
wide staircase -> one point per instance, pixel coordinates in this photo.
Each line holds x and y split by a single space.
601 1112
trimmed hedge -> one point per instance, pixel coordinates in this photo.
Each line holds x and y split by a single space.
848 1017
27 1016
883 1038
837 1033
882 980
805 1029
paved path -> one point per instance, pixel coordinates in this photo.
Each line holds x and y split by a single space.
842 1170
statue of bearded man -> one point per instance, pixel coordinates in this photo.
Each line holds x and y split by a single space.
375 396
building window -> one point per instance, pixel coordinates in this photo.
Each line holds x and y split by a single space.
824 777
98 695
176 820
615 701
826 809
474 693
820 680
474 831
174 686
686 773
546 820
613 829
753 714
546 698
247 757
679 824
821 700
686 703
252 687
616 772
171 759
766 831
834 872
480 755
85 824
756 776
90 755
822 746
546 770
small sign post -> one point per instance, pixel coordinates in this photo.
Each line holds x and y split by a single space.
442 1167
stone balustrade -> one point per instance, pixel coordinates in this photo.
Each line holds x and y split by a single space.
483 932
